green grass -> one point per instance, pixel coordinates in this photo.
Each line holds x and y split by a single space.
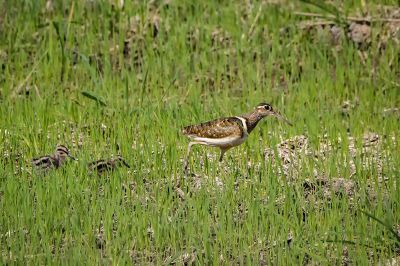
81 85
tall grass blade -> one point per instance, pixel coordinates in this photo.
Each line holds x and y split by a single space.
329 8
144 86
61 40
93 97
386 225
348 242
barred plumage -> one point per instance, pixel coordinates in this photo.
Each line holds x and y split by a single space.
54 161
102 166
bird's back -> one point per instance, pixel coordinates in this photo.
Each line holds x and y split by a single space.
216 129
44 163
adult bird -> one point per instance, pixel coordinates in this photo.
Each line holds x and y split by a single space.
228 132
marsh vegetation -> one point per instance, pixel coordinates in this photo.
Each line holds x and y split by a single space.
107 78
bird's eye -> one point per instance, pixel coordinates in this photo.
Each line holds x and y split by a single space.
268 107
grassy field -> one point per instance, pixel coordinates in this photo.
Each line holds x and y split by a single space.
106 79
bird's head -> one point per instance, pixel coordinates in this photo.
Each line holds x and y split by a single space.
265 109
62 153
121 161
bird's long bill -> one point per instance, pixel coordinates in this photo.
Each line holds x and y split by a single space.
72 157
281 117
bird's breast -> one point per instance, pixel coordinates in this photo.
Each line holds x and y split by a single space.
227 142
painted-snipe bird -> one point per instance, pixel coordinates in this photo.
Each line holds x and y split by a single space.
103 166
228 132
52 161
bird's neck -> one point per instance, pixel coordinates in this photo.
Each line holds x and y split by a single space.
252 120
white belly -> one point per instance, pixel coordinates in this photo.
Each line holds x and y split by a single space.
227 142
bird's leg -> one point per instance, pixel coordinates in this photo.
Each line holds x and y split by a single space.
222 154
186 164
223 150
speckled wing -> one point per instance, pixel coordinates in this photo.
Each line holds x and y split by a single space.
44 162
216 129
98 165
